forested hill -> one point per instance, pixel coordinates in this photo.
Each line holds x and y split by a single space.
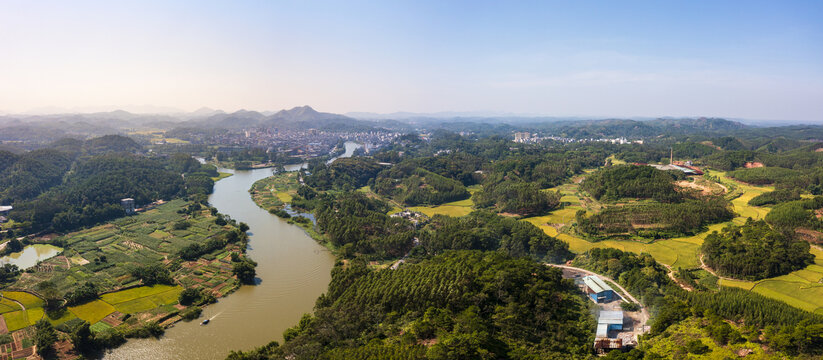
302 117
638 129
81 183
465 304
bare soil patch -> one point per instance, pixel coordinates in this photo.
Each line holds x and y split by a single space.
812 236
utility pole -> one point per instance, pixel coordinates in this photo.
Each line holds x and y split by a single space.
671 156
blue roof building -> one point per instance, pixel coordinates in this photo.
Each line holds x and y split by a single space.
598 290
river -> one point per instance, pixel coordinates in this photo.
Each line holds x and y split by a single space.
293 270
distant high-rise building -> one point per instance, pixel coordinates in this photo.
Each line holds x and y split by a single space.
521 137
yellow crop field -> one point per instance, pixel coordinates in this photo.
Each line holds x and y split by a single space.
92 311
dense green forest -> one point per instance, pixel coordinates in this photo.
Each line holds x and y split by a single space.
775 197
630 181
796 214
655 220
754 251
417 186
356 224
82 184
344 173
515 196
468 304
487 231
764 175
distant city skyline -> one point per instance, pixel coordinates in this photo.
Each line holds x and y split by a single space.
739 59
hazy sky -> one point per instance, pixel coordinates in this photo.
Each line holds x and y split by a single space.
744 59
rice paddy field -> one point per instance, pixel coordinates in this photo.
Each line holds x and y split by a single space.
802 288
455 208
105 254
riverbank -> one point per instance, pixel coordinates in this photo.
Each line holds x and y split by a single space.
293 270
114 261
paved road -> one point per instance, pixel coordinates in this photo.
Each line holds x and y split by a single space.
643 311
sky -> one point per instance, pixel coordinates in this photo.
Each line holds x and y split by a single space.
734 59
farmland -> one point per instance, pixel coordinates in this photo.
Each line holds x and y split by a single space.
106 256
801 288
275 191
108 252
455 208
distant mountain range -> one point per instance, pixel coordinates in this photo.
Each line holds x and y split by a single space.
301 117
51 127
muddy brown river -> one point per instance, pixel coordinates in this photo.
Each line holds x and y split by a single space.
293 270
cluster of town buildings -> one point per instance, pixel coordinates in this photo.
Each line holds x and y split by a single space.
532 138
302 143
4 213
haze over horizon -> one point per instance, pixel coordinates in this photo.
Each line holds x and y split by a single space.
749 60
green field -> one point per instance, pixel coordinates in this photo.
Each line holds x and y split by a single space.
801 288
92 311
138 292
148 237
275 191
16 320
142 298
105 254
221 176
28 300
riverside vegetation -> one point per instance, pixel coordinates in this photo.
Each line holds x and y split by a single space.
366 305
117 276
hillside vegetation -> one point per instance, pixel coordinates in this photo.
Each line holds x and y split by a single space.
417 186
754 251
467 304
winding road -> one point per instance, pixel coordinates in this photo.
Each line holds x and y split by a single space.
644 313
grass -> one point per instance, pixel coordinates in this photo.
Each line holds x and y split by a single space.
92 311
99 326
454 208
7 305
35 314
221 175
679 334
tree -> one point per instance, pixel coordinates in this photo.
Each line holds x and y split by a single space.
188 296
51 294
82 338
44 337
244 270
